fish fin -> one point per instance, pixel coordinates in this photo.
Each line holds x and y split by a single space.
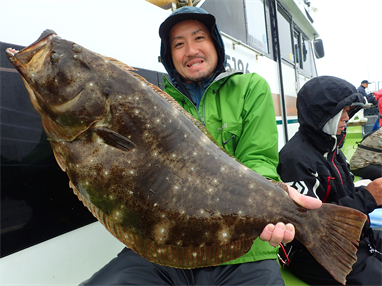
59 159
337 234
167 255
280 185
120 64
114 139
176 105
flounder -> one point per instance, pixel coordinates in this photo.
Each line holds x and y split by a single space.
153 175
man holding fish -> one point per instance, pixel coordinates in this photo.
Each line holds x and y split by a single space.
238 111
188 183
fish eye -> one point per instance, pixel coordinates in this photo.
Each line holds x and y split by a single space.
77 48
54 58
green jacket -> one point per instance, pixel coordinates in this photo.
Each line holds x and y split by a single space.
238 111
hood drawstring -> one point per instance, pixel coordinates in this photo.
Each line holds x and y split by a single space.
286 260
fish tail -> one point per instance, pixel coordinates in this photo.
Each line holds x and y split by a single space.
333 245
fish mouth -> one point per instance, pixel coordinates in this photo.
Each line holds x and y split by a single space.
29 61
21 58
11 52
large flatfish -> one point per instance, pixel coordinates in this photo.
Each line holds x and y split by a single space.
153 175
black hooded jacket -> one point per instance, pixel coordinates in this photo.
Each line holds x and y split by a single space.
312 161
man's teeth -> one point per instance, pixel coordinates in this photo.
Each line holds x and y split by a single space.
195 64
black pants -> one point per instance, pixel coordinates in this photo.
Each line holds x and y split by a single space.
370 172
366 271
131 269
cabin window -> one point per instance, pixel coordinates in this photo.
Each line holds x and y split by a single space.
229 17
303 55
308 64
297 50
257 31
286 48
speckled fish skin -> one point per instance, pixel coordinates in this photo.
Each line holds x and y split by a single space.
150 172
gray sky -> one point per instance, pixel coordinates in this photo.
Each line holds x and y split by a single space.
352 34
350 29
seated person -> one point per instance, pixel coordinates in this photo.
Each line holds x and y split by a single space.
313 163
366 162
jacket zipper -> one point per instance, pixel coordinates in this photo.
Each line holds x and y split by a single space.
334 153
233 137
328 189
204 104
332 178
197 112
186 98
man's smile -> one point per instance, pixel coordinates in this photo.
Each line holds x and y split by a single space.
194 63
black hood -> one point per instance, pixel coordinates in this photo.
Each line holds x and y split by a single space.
189 13
321 98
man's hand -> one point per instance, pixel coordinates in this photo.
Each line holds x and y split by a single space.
375 188
280 232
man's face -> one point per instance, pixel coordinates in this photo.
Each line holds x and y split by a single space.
193 51
343 119
365 85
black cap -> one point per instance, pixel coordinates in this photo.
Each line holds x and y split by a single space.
365 81
186 13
